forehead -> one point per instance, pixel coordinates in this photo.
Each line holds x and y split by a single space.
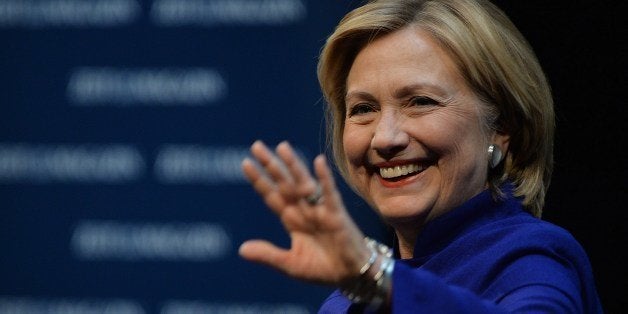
407 56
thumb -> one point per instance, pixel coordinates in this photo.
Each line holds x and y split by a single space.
263 252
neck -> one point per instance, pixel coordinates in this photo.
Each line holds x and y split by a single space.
406 240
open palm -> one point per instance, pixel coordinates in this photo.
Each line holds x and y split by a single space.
326 245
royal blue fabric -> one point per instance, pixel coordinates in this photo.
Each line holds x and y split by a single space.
489 256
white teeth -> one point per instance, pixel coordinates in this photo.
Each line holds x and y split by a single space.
397 171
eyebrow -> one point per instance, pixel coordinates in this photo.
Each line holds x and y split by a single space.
359 95
401 93
410 90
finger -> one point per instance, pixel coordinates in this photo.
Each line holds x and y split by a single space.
258 180
327 182
263 186
277 174
304 183
273 166
264 252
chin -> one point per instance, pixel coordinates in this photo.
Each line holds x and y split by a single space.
396 213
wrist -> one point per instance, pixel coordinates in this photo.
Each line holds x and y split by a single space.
374 283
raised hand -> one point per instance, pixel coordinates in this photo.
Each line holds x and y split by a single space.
326 245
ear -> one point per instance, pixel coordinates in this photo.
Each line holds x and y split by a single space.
502 140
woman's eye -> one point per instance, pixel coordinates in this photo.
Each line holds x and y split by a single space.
423 101
360 109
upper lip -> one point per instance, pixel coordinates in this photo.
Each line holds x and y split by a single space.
394 163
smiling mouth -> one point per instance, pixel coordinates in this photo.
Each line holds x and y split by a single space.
398 172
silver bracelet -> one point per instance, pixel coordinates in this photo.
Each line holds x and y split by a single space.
373 290
384 283
371 260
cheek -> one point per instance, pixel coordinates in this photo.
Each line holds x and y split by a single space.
355 144
455 133
462 148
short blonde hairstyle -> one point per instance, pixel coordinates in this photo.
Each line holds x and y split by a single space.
491 54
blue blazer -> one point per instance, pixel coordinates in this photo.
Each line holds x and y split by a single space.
489 256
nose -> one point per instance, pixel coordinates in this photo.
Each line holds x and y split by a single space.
389 137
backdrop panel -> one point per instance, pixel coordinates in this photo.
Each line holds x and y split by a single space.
122 128
123 124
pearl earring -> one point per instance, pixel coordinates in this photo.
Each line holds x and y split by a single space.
494 155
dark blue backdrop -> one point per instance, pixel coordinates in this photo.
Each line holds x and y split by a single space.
122 127
123 123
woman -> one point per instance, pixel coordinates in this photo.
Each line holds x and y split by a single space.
441 118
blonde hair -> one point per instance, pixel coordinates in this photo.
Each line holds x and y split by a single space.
494 58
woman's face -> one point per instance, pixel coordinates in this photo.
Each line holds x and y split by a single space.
412 138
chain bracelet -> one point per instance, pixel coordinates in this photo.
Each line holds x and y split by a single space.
372 290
